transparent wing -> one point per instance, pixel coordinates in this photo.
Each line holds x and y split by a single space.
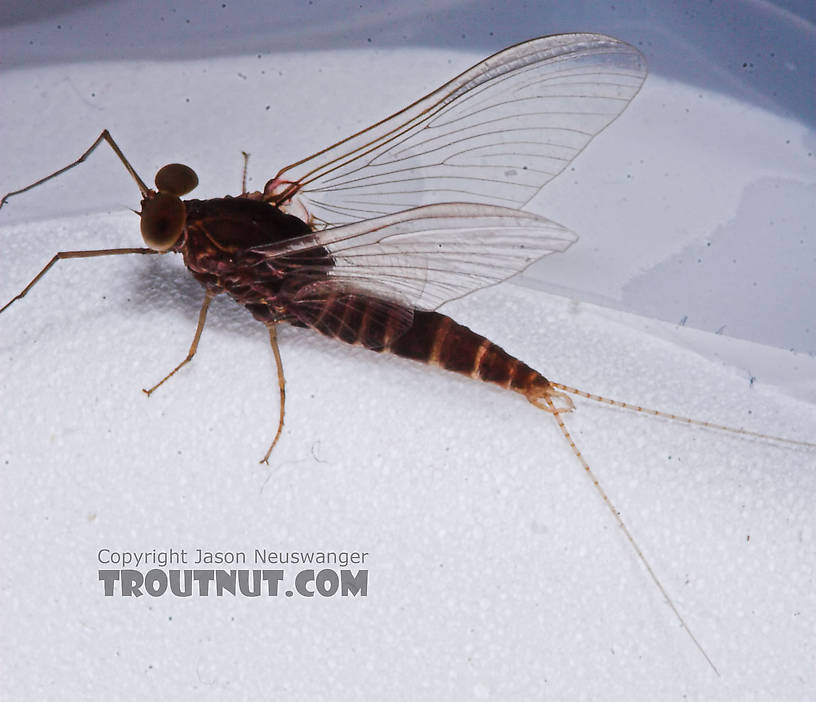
420 258
495 134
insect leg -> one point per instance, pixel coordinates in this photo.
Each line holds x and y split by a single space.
202 317
631 539
104 136
273 339
72 254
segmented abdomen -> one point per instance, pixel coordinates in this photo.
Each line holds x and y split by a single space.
429 337
436 339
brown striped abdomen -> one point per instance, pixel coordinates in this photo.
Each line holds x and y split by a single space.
437 339
429 337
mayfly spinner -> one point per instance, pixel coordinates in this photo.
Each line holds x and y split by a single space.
366 239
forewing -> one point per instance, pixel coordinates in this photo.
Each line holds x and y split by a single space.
421 257
495 134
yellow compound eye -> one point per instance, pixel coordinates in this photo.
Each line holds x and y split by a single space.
163 220
176 179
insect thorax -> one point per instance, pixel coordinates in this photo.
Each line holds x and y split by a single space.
219 248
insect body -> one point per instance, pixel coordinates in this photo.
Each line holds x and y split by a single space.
364 240
415 211
293 288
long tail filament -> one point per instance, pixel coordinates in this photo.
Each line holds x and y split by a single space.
556 413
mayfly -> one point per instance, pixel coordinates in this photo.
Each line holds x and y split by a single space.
364 240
